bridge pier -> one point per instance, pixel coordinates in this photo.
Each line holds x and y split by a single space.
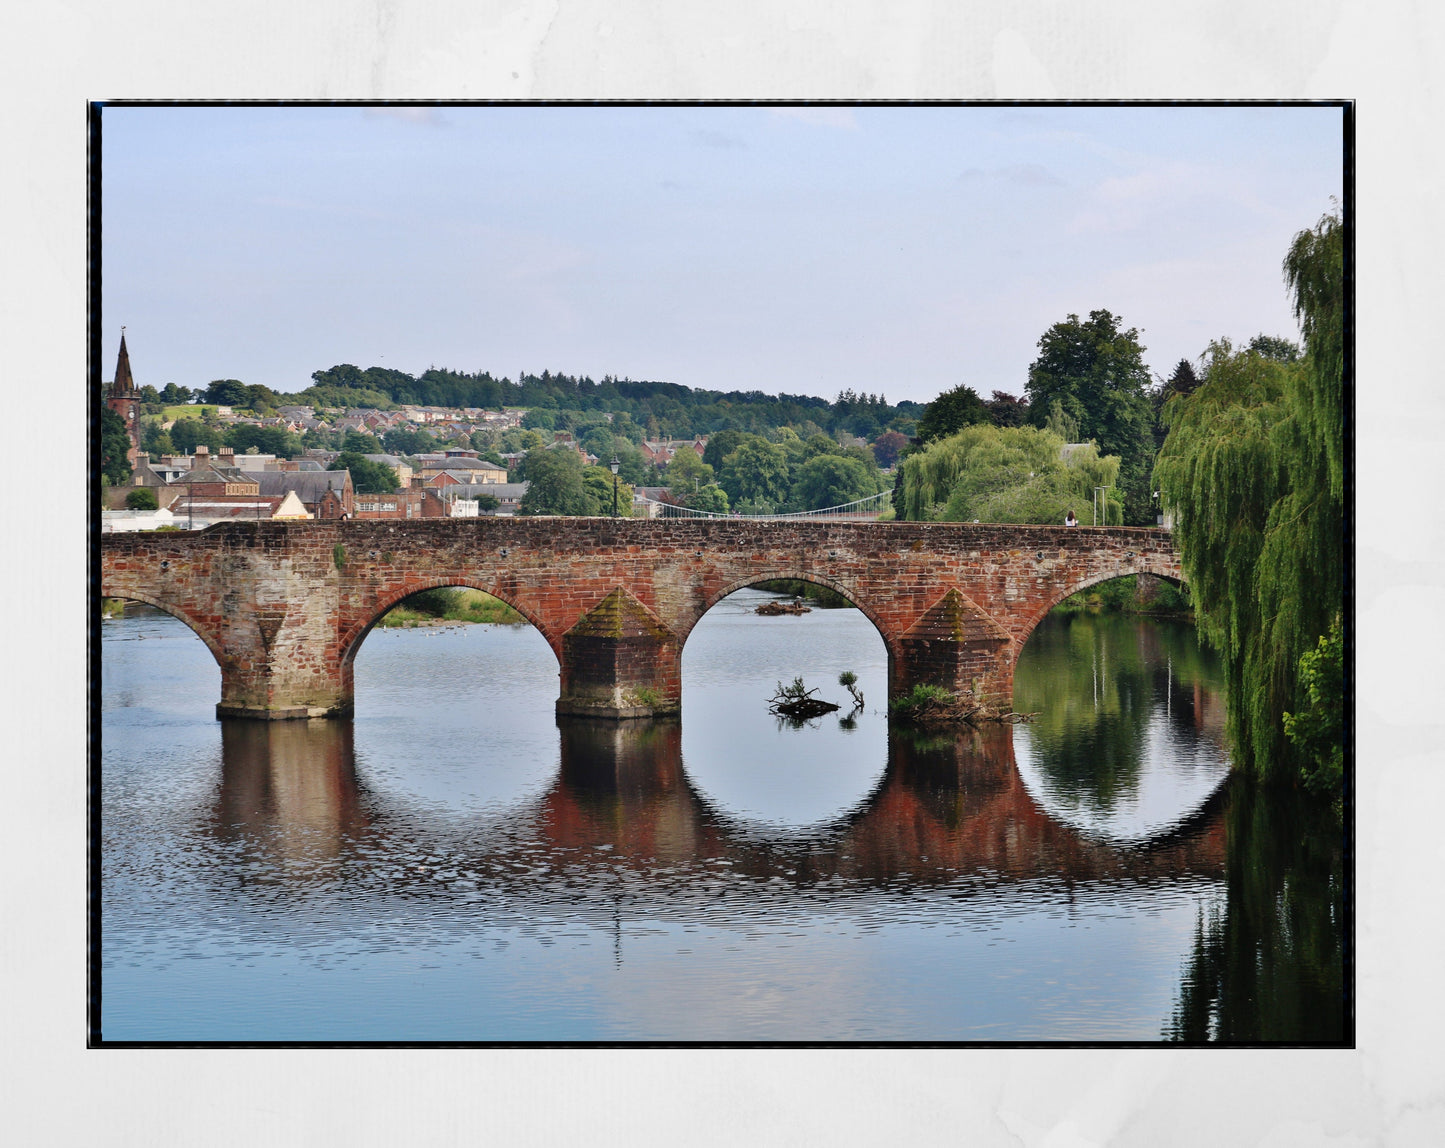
958 646
284 662
272 692
619 661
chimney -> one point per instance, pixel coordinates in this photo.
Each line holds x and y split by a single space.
228 456
202 456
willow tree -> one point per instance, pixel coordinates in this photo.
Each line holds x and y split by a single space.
1248 471
1006 474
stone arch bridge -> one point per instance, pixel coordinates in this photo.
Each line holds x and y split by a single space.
284 607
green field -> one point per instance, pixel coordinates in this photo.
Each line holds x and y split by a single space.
187 411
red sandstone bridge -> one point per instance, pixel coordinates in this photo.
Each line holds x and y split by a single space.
285 607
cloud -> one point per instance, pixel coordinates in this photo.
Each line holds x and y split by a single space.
827 117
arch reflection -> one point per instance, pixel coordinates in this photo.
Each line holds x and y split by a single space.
1128 739
947 807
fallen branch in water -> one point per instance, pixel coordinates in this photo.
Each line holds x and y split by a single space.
797 701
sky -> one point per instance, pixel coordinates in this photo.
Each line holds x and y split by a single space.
891 250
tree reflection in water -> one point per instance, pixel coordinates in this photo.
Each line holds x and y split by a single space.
1270 968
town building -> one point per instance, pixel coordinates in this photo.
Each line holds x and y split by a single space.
124 399
324 493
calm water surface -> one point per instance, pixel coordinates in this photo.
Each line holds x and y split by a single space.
457 865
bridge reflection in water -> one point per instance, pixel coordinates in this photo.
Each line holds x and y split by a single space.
947 808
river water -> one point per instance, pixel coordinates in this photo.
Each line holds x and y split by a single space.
457 865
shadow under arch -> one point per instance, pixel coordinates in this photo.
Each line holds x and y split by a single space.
352 641
790 574
208 639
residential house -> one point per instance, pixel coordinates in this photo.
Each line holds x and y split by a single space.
402 468
199 511
460 462
324 493
408 502
508 496
660 453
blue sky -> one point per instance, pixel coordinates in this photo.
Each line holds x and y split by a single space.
893 250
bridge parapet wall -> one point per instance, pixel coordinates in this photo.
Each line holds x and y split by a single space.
286 606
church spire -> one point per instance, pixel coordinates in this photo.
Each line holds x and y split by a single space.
123 384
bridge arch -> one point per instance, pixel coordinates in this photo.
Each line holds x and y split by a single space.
1032 621
211 641
352 640
791 574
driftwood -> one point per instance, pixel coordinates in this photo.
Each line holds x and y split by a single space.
796 701
772 608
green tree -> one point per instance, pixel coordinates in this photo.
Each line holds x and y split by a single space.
950 413
1318 730
554 483
1095 371
819 444
408 441
187 434
1273 347
265 440
720 446
1005 474
142 498
227 393
711 498
367 477
1183 381
1252 469
598 484
831 480
598 440
155 440
756 473
632 464
114 445
172 395
359 442
687 472
1315 272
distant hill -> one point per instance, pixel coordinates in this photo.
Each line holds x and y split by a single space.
666 410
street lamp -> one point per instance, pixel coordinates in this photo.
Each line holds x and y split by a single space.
614 464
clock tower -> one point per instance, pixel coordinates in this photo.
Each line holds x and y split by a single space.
124 400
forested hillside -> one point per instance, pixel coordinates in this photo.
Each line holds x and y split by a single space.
662 410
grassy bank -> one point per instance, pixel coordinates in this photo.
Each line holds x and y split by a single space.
1128 595
453 604
821 596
